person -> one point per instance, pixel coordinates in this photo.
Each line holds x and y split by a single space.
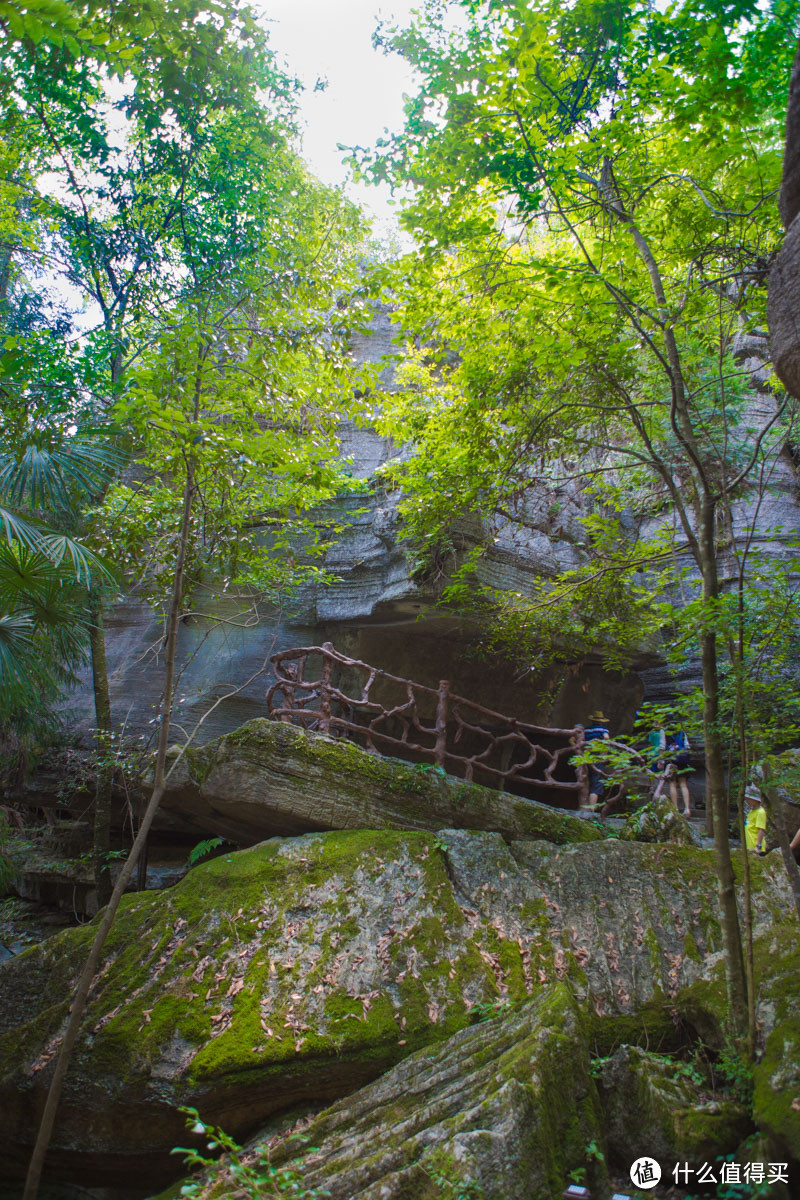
596 730
755 827
678 768
656 745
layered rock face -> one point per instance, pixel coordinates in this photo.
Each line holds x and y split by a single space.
375 610
784 280
378 611
300 970
487 1115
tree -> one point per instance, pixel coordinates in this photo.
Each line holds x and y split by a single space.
129 130
593 195
44 580
52 461
225 354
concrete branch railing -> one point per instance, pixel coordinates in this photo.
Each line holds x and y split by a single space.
320 689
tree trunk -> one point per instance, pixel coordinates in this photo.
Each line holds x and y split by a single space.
749 965
792 869
729 916
737 658
141 873
104 742
104 751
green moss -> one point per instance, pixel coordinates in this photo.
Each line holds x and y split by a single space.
511 965
653 1027
175 957
690 948
654 951
703 1007
705 1132
777 1088
199 761
776 1077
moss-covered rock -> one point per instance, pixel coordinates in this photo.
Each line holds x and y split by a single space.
485 1114
757 1149
659 821
776 1078
301 969
629 925
270 778
660 1107
292 970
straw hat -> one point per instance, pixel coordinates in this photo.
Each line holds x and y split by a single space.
598 716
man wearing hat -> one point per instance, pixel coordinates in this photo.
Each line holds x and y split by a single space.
596 730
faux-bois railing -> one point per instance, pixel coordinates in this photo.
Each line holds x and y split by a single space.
425 724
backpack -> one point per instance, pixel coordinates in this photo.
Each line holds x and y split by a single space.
678 743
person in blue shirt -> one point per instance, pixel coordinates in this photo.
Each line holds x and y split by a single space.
596 730
678 767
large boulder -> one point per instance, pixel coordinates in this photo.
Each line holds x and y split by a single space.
626 923
268 778
776 1078
295 970
299 970
485 1114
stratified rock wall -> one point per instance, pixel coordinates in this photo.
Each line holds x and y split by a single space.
784 280
487 1112
378 610
789 199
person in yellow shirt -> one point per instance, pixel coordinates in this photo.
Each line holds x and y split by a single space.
755 827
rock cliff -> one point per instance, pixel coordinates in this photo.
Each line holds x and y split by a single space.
784 281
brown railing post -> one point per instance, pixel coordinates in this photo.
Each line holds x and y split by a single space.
441 722
325 689
288 690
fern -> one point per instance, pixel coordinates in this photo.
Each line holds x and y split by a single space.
203 848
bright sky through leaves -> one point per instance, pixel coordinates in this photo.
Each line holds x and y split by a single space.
333 41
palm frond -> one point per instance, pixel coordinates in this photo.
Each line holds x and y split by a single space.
33 478
17 529
24 574
61 476
40 646
18 674
59 548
